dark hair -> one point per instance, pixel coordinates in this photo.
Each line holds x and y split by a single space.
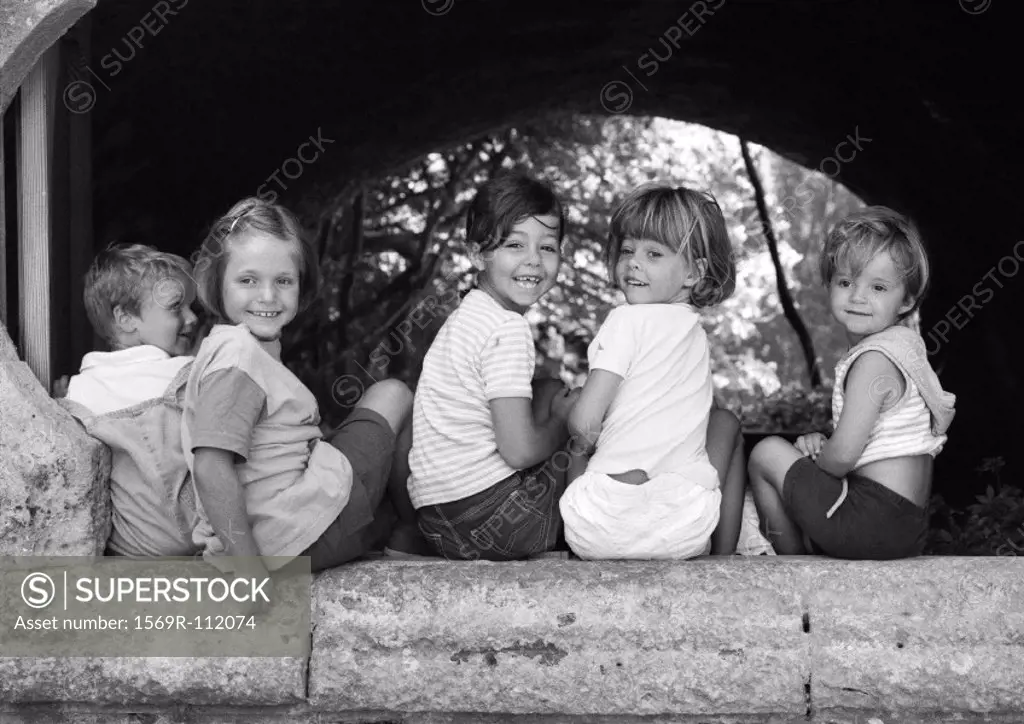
504 201
855 241
687 221
258 215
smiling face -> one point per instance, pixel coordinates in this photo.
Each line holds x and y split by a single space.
872 300
166 319
649 272
524 267
261 283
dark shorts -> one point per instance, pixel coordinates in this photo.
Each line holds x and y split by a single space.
366 439
873 523
514 518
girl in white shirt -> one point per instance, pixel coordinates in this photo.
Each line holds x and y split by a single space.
665 476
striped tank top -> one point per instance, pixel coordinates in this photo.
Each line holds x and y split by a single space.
904 429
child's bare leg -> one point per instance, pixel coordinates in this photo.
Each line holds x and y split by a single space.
769 461
398 480
392 400
725 450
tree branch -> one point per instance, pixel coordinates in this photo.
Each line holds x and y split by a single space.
407 244
442 213
785 297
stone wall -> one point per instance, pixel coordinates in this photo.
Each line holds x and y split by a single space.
711 640
54 497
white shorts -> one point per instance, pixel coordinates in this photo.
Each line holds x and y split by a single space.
668 517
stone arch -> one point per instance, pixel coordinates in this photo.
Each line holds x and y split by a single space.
386 83
33 27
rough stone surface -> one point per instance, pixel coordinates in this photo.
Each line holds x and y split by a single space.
27 29
558 637
153 681
54 495
705 638
939 633
51 714
723 641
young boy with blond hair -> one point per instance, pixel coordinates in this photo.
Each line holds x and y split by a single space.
139 301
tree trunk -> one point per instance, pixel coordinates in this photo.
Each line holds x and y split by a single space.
785 298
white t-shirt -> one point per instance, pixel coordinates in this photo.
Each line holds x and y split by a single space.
658 420
111 381
656 423
482 353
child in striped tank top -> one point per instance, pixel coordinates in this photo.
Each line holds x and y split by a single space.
863 492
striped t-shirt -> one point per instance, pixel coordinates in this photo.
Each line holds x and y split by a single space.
482 353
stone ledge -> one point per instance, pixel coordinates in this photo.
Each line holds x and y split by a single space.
301 715
553 637
711 637
734 641
944 633
153 681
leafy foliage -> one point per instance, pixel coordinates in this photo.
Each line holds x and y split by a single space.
790 409
992 526
393 263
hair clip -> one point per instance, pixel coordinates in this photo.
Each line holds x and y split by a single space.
239 218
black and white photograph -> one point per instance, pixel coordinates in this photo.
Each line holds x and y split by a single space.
479 361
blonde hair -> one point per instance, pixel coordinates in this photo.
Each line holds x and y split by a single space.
687 221
258 215
862 235
120 276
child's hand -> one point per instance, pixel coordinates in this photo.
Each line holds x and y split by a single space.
60 387
810 444
564 401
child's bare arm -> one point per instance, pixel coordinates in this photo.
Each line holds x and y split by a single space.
521 441
221 495
587 417
577 465
873 384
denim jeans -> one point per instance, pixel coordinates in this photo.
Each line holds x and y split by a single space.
514 518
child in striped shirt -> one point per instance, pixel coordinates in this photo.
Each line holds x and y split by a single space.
485 470
863 493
